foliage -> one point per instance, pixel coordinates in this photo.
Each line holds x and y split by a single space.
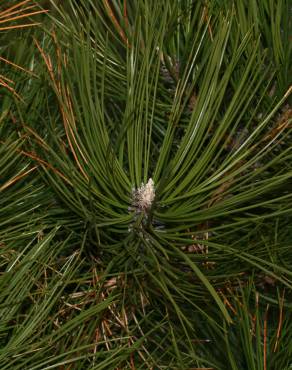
145 167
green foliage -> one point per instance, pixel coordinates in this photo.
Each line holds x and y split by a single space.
145 168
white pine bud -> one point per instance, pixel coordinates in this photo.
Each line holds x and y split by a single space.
143 196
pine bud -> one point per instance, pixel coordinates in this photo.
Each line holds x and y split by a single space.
143 197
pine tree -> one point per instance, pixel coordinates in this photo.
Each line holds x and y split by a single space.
145 168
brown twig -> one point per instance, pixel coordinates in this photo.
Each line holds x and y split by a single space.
67 114
45 164
22 16
19 26
4 84
16 178
280 321
8 10
115 22
265 337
